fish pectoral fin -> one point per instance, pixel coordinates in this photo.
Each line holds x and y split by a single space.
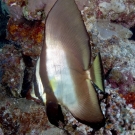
97 73
54 113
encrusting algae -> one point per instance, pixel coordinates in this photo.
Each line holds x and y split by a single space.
29 35
25 31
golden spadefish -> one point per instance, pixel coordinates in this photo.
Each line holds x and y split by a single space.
65 59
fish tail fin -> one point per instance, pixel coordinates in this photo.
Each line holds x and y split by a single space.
97 73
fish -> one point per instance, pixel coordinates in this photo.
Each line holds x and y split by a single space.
64 73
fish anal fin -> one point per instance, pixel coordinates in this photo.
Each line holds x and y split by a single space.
53 110
88 110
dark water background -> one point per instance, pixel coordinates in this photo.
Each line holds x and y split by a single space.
4 16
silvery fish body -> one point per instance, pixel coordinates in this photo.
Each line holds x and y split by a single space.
63 72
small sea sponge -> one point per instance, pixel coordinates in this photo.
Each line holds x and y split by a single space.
13 28
10 2
130 98
36 15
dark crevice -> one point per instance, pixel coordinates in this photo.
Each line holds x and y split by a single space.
133 31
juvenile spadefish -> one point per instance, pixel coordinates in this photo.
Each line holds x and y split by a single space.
63 72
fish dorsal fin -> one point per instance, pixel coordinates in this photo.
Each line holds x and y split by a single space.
65 28
97 73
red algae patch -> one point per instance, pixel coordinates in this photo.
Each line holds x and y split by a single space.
130 98
29 35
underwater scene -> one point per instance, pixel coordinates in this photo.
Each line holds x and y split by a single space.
67 67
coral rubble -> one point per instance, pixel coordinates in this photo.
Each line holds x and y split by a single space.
108 23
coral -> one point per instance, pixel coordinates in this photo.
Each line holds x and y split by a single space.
119 114
15 8
12 66
122 80
8 126
18 2
35 11
105 21
28 38
36 119
32 10
81 4
29 35
117 54
120 11
18 9
130 98
21 116
107 30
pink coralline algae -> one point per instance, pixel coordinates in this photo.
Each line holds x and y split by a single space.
13 68
15 8
122 80
21 116
32 10
120 11
108 23
28 35
130 98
